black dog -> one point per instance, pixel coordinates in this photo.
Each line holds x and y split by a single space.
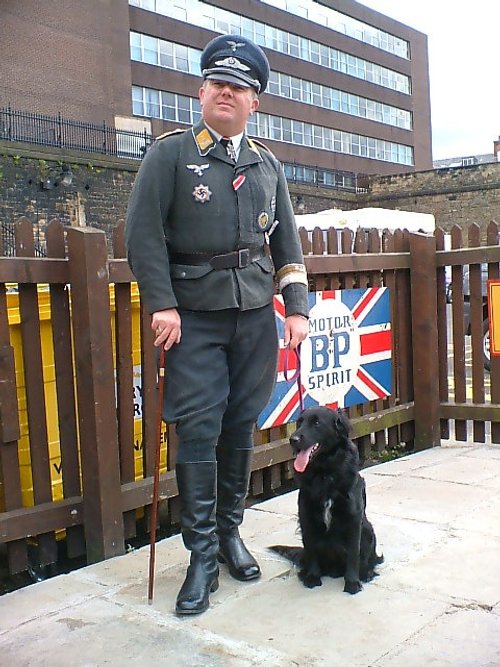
338 539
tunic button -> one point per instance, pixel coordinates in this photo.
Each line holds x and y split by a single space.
183 274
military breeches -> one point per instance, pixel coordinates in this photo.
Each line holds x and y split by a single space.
219 378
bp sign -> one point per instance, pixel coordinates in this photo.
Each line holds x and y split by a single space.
346 359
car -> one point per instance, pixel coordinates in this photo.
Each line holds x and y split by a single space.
467 310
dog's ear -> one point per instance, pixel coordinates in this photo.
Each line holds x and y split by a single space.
342 424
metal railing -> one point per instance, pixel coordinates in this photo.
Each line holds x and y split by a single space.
35 128
8 241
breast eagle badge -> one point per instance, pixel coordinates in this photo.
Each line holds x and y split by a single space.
198 168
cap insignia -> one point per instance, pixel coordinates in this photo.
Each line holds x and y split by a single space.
235 45
233 62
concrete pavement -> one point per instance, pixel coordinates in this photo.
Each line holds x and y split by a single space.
436 601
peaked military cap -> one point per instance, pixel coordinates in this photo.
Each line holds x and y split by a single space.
235 59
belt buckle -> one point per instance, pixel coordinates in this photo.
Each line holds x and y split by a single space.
243 257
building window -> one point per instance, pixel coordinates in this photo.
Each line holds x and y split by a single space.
174 56
186 110
289 172
297 173
308 9
151 103
214 18
159 52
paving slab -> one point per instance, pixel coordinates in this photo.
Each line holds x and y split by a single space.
436 600
458 638
464 569
321 626
422 499
484 518
107 632
46 598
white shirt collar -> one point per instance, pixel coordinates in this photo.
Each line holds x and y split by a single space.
236 139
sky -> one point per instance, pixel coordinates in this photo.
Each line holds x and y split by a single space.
464 58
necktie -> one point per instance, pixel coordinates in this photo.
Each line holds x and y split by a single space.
228 145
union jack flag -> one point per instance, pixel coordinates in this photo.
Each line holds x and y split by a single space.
345 361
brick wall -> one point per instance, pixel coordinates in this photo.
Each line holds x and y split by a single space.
97 197
311 198
100 190
70 57
101 187
454 195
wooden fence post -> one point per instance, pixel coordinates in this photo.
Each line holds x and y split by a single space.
95 383
425 340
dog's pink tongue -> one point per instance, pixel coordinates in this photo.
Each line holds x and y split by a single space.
302 459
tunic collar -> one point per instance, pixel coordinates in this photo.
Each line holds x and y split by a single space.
236 139
203 139
206 139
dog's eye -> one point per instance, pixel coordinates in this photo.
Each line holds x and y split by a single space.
316 421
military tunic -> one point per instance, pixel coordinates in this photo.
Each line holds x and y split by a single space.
189 197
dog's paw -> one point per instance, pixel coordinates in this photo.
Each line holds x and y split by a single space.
352 587
309 580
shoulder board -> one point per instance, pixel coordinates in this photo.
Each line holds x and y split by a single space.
178 130
255 142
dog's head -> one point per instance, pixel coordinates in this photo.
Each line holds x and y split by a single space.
318 430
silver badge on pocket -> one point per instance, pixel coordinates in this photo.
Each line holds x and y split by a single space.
202 193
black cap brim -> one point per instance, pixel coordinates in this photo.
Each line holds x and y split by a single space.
231 77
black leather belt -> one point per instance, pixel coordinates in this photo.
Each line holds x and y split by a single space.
238 259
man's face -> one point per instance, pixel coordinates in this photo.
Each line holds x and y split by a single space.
226 107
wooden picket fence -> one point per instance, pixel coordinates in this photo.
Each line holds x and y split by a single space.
72 334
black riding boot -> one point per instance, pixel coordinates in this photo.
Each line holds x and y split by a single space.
233 475
197 489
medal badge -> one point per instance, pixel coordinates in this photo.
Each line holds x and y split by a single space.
263 219
202 193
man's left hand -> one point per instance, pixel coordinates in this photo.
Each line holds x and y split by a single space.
296 329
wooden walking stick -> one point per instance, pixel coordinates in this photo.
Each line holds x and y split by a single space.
156 479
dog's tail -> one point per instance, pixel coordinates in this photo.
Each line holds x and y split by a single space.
376 559
293 554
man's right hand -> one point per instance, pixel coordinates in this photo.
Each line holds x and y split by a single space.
166 325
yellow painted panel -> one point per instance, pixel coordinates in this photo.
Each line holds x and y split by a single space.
50 395
494 316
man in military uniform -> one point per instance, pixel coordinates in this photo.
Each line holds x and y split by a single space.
209 222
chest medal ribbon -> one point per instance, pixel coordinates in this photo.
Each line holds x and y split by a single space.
238 181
